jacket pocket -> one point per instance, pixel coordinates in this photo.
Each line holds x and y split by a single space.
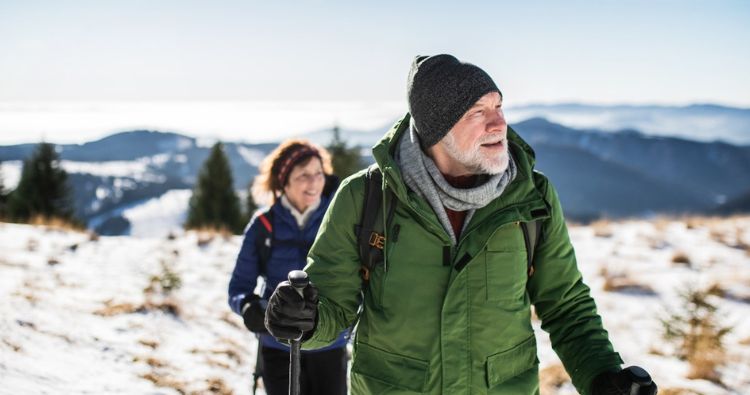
393 369
506 277
510 363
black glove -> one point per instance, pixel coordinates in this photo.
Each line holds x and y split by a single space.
254 313
289 316
629 381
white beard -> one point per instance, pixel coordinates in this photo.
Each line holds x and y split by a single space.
474 160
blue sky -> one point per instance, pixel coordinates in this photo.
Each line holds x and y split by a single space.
669 52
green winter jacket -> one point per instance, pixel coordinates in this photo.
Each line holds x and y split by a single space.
459 324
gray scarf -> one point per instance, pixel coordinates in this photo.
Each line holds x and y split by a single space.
423 177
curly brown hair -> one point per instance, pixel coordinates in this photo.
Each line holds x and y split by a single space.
268 185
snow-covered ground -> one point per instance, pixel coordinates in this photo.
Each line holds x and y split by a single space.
80 314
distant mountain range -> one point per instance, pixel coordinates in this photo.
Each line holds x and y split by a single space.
701 122
597 173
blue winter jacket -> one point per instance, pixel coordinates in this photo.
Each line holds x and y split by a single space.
285 257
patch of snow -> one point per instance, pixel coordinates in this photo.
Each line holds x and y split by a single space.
11 171
159 216
251 156
54 286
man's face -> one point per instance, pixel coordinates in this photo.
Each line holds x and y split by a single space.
477 142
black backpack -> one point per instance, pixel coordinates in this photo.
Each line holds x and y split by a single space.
371 238
370 231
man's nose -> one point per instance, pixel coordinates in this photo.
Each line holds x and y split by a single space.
496 123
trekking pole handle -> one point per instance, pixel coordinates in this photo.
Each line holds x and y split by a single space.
640 377
299 281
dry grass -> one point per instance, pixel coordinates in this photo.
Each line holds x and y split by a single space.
150 361
232 319
152 344
656 351
56 223
166 381
167 305
217 364
111 309
677 391
552 378
208 235
602 228
745 341
703 365
661 223
28 295
620 282
681 258
216 385
12 346
229 353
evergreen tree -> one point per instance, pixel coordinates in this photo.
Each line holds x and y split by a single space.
43 189
346 161
214 203
250 204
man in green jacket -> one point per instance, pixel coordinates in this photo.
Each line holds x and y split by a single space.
448 310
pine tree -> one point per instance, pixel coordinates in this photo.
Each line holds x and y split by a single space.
43 189
214 203
346 161
250 204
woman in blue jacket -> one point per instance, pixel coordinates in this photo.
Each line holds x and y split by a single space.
276 242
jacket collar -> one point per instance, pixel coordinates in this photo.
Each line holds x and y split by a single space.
384 152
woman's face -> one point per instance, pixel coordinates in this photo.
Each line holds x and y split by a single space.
305 184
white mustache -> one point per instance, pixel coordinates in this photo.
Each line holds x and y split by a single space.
492 139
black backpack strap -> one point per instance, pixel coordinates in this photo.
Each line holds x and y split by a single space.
264 241
371 230
532 232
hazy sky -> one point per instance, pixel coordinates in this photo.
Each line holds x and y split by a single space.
538 51
665 52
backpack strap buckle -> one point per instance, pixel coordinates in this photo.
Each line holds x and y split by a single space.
377 240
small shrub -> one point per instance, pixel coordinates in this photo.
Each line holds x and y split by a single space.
696 332
165 282
159 291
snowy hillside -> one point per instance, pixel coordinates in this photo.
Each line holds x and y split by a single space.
81 314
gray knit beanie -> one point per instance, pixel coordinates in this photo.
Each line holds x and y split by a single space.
440 90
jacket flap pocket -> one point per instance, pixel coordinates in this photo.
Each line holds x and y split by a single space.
396 370
510 363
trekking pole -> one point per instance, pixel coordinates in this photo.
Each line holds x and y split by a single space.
640 377
299 281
